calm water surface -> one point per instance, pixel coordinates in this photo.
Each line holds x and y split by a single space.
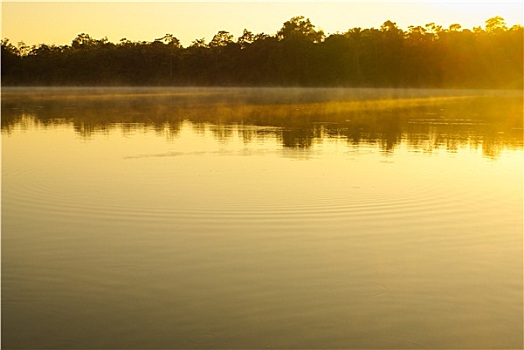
259 218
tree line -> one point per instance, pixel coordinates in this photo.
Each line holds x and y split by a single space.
299 54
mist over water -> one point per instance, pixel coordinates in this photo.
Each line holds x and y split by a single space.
261 218
296 116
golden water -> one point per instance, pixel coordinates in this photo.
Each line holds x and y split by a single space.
259 218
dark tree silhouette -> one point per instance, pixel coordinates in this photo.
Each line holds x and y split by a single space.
299 54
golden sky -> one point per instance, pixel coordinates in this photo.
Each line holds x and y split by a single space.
59 22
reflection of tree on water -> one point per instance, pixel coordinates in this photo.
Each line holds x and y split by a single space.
298 138
221 132
493 123
387 135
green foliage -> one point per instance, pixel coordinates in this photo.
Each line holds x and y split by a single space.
299 54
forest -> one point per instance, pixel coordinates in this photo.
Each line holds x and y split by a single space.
299 54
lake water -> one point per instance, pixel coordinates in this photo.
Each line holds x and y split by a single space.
262 218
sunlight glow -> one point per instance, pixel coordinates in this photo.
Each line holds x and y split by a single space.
24 21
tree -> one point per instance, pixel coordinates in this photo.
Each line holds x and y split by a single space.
392 42
246 39
298 54
171 40
222 38
199 43
83 40
455 27
355 36
496 25
299 28
10 62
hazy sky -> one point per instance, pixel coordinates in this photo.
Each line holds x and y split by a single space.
59 22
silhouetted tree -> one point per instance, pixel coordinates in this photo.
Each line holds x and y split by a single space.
298 54
300 28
